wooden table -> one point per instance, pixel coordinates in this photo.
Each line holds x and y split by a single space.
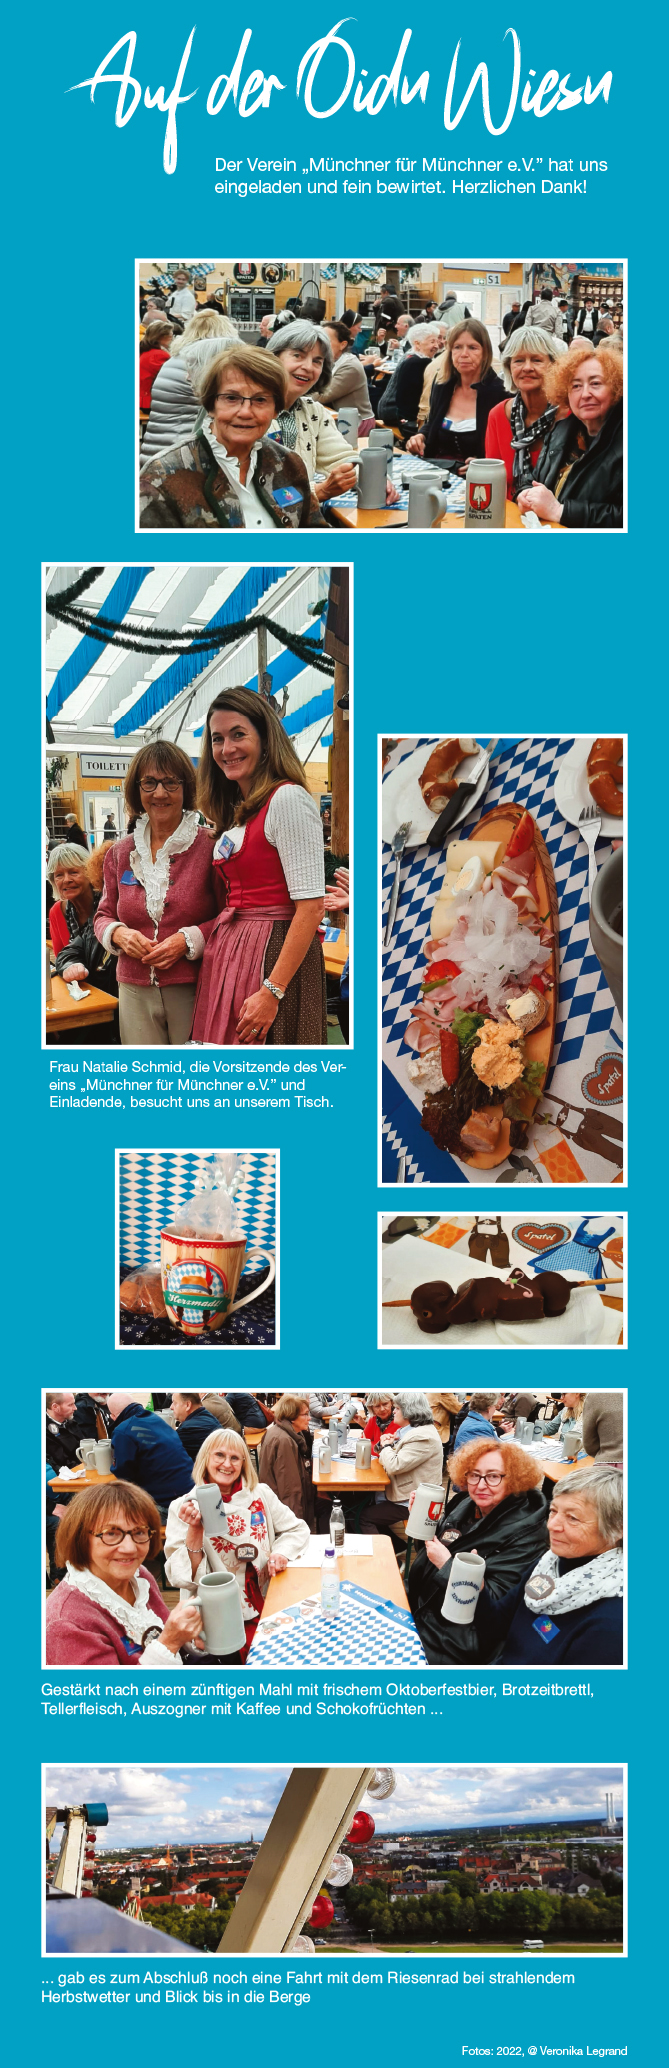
95 1010
78 1486
379 1574
558 1470
345 1476
391 520
335 953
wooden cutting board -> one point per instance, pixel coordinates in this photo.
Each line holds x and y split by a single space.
499 825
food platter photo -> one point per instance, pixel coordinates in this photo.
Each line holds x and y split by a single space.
499 1049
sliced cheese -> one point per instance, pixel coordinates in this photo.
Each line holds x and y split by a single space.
460 851
444 918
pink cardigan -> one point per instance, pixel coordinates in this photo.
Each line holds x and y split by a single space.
190 901
81 1633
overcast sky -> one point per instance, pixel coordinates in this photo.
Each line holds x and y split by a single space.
149 1805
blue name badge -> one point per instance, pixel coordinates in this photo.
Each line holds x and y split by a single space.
282 496
128 877
225 848
546 1629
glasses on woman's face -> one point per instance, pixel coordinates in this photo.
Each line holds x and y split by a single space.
229 398
113 1537
491 1479
153 783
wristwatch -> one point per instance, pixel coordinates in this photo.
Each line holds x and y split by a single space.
274 988
190 944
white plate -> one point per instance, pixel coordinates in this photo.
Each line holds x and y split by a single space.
572 791
402 797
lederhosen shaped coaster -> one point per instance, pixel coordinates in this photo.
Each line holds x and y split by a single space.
482 1239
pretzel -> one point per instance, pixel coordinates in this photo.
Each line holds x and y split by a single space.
605 776
436 781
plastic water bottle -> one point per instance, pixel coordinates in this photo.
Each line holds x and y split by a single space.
337 1526
329 1584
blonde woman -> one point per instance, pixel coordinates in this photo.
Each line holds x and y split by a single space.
261 1533
263 976
175 406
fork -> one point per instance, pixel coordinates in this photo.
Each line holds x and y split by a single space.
398 846
591 825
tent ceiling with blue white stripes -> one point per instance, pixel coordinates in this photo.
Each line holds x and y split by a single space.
102 697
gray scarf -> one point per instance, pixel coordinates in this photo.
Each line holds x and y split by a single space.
523 439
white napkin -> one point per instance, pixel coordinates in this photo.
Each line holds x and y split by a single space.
412 1261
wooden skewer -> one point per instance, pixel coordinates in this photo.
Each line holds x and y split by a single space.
580 1288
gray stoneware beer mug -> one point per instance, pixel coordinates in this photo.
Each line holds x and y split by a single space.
606 923
333 1439
427 503
485 495
348 421
103 1457
363 1454
221 1611
210 1503
523 1431
372 478
381 438
86 1449
571 1446
426 1511
324 1460
465 1581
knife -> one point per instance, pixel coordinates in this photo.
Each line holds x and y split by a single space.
455 803
398 845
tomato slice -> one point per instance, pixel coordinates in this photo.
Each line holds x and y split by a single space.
537 984
450 1056
437 972
522 838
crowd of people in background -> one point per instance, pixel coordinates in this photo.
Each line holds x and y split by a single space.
240 434
552 1546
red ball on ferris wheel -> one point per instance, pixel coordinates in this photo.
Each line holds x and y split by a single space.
322 1911
362 1829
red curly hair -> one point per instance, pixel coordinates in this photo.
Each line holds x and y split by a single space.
521 1470
561 371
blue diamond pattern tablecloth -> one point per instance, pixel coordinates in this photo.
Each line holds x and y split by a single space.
153 1183
588 1025
368 1631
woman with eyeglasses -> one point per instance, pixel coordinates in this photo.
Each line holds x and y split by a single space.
567 1610
159 900
500 1512
228 472
108 1609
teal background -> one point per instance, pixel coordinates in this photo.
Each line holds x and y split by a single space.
551 637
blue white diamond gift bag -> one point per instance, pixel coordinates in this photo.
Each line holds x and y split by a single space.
154 1183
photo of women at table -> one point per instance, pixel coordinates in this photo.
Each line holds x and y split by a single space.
290 1527
215 805
429 395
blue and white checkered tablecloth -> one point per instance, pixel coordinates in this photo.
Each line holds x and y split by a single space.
368 1631
588 1031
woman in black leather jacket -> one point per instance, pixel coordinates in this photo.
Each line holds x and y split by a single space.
578 478
501 1513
